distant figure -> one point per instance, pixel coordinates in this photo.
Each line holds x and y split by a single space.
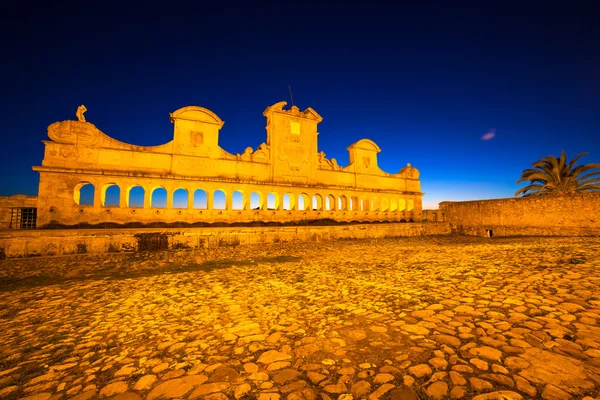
80 110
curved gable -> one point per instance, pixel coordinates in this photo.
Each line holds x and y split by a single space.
196 113
365 144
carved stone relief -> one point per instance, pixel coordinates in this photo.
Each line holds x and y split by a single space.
196 138
82 133
325 163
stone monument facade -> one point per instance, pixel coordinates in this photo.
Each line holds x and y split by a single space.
286 178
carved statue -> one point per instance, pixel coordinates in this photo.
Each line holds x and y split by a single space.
329 164
262 152
80 110
321 156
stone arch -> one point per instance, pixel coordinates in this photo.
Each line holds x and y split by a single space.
375 204
135 196
180 198
238 200
401 205
219 200
354 206
200 199
289 202
393 205
158 197
84 193
410 205
330 202
256 201
343 203
110 195
365 204
273 201
317 202
385 204
303 202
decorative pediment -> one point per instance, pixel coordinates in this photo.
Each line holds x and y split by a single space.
295 111
409 172
195 113
275 107
364 144
74 132
312 114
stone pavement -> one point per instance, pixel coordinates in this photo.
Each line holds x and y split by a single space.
405 318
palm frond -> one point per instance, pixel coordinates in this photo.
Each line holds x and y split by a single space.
588 187
532 188
580 169
574 160
552 175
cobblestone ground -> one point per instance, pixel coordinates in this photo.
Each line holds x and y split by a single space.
406 318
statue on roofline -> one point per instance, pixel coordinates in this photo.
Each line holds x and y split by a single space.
80 110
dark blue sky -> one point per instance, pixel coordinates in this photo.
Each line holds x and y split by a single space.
425 81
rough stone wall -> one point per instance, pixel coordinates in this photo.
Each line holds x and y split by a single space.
68 241
287 163
7 203
577 214
433 216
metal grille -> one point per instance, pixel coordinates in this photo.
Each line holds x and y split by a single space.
23 218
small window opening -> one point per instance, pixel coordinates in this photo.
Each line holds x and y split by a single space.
23 218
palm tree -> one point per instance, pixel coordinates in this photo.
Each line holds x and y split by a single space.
554 176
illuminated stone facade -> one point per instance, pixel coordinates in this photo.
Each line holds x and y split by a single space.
286 178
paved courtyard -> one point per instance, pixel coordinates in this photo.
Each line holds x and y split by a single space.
404 318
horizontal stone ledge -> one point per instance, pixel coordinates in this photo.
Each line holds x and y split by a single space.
522 230
216 179
42 242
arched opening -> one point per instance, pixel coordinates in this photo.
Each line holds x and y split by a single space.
410 205
288 201
375 204
238 200
317 202
303 202
401 205
180 198
135 196
111 195
273 201
342 203
385 204
366 204
200 199
361 204
354 203
219 200
330 202
256 201
83 194
394 205
158 197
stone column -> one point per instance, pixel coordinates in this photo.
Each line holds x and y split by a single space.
169 199
209 199
98 196
123 197
228 201
245 200
190 199
265 201
147 198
